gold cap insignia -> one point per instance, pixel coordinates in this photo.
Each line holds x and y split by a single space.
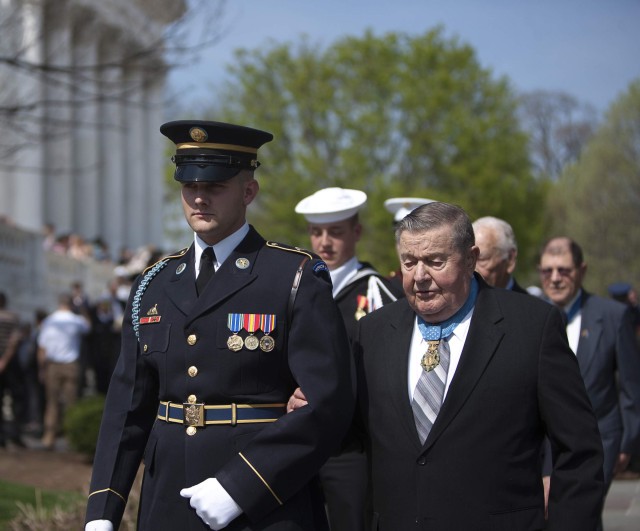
198 134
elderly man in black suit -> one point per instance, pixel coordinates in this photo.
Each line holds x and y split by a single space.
601 334
458 383
215 339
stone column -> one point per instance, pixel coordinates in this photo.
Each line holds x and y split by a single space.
137 215
21 178
57 125
111 170
86 207
157 158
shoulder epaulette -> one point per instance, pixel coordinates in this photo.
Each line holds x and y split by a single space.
282 247
178 254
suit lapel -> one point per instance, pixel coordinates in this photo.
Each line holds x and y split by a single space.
397 342
181 288
481 343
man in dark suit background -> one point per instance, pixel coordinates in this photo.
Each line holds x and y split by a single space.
215 339
498 252
506 377
600 333
332 216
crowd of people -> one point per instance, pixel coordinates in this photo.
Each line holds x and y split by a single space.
270 387
47 363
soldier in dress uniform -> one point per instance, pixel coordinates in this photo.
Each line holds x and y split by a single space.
216 337
334 230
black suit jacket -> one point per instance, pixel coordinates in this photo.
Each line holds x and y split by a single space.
479 468
265 467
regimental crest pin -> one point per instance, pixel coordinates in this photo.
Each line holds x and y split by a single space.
242 263
153 310
181 268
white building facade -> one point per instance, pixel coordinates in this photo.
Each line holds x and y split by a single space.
81 94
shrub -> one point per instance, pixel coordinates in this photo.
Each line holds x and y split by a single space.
82 424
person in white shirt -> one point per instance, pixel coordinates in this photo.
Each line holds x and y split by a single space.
59 346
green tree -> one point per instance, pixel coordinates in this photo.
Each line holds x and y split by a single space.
393 115
597 200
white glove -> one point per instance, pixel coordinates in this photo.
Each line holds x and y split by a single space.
212 503
99 525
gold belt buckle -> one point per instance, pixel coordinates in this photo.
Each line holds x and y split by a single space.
193 415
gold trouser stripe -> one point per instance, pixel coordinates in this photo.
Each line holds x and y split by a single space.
261 478
209 145
108 490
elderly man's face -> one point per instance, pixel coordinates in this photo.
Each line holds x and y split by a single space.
436 277
493 264
560 277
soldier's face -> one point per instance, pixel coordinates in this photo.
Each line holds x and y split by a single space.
215 210
335 242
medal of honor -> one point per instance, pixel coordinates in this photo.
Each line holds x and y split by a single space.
251 322
267 323
431 358
234 322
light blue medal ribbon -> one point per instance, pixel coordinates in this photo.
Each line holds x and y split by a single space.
234 323
433 333
574 309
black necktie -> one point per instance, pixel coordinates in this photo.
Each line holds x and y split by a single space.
207 259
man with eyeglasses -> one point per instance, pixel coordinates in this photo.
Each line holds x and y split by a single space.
600 333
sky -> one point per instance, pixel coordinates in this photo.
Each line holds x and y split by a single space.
587 48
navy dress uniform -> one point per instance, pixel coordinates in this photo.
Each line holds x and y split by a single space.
202 381
358 289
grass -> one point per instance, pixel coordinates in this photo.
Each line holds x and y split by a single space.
17 499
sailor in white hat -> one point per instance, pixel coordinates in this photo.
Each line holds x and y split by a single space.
358 289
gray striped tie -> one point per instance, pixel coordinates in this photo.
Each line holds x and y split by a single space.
427 397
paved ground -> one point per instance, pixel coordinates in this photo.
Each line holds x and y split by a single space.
622 508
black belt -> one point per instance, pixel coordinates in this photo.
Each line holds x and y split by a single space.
201 414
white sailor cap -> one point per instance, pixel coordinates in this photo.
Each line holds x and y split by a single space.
330 205
401 206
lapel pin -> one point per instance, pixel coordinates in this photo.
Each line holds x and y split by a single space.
181 268
242 263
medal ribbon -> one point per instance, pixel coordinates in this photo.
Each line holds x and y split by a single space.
267 323
251 322
234 322
435 332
